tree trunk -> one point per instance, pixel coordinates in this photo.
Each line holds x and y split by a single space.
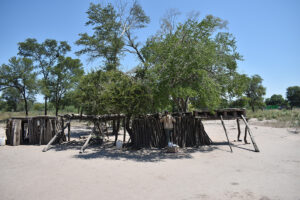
45 105
26 106
128 129
253 108
25 101
56 110
57 107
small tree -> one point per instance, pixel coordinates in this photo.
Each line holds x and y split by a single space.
12 98
19 74
255 92
293 96
64 77
275 99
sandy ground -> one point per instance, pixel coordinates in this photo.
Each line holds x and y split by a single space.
106 173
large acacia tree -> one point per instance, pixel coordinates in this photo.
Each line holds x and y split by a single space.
196 63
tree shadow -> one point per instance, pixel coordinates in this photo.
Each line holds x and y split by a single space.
107 151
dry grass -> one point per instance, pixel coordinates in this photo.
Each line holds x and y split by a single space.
279 118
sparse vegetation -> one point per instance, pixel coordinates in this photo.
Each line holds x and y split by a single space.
284 118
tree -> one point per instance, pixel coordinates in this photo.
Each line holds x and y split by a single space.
19 74
275 99
63 77
196 63
45 55
113 33
255 92
293 96
12 97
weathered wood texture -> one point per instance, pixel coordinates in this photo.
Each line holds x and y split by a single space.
38 130
188 132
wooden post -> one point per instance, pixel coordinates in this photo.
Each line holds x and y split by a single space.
225 132
86 143
41 130
239 129
51 141
245 136
69 130
251 137
124 126
62 126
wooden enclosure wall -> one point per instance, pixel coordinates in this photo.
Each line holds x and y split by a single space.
188 132
40 130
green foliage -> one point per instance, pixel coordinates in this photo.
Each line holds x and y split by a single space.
276 99
19 74
11 97
196 63
64 77
45 55
240 103
293 96
255 92
112 31
38 107
104 92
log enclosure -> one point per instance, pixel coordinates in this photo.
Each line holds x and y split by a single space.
30 130
188 130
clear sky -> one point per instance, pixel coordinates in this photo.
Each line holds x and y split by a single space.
267 32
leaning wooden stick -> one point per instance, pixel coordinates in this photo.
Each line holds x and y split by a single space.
86 143
51 141
251 137
225 132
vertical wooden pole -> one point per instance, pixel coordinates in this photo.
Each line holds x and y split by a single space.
62 138
250 133
62 126
41 130
69 130
124 126
245 136
225 132
239 129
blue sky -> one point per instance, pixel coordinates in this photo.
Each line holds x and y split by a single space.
267 32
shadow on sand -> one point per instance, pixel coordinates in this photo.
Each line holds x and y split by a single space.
107 150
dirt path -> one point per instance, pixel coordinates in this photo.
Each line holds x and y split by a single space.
206 173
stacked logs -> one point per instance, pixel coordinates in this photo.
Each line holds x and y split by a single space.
188 132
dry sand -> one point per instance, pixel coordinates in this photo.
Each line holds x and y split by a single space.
207 173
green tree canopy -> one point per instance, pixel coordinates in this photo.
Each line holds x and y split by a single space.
293 96
12 98
45 55
112 33
18 74
255 92
275 99
196 63
64 77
